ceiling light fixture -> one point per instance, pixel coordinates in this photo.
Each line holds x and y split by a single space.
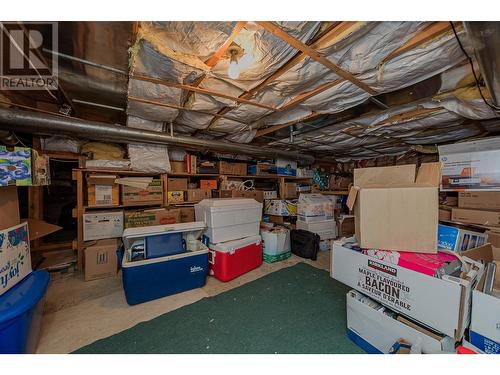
234 52
234 69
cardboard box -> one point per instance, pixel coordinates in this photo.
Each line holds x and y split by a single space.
345 225
207 166
315 207
481 217
15 256
15 166
304 173
441 304
233 168
258 195
471 165
370 323
280 207
153 194
209 184
40 167
270 194
177 184
262 169
197 195
178 166
286 167
22 166
485 317
187 214
290 190
100 259
395 211
191 162
479 200
102 191
175 196
15 237
444 214
458 240
326 229
102 225
146 218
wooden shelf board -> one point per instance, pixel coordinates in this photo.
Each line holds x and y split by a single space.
333 192
91 208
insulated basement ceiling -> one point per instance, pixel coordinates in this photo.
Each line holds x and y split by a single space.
346 90
295 72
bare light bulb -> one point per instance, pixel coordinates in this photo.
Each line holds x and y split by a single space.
234 70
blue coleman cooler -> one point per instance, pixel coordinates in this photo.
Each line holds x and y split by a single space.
21 310
146 279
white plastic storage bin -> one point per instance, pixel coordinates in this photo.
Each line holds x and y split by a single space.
229 219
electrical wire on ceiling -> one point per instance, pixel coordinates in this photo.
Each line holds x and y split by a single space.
492 106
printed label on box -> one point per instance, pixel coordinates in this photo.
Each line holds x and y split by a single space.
103 195
15 260
387 288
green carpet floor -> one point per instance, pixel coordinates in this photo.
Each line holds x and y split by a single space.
294 310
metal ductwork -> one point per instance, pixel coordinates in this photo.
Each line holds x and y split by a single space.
485 39
44 124
8 138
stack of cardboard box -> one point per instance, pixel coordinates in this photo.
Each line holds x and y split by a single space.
315 213
402 281
478 207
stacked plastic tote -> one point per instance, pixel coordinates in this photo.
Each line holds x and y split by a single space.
232 235
315 213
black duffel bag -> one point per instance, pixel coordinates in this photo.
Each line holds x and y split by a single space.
305 244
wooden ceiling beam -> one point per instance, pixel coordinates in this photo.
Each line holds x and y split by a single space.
309 94
335 30
272 129
430 32
315 55
214 59
200 90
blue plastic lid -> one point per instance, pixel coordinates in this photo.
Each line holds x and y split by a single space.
24 295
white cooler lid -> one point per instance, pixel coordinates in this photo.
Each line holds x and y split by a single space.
229 246
229 202
194 230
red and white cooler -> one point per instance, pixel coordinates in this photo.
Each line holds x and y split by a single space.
228 260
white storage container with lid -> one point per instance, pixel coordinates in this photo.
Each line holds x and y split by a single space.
229 219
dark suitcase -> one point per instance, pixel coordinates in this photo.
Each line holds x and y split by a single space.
305 244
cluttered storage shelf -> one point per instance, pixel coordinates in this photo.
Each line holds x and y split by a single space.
109 195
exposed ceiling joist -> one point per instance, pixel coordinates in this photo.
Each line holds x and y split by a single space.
274 128
331 33
334 31
430 32
309 94
199 90
315 55
214 59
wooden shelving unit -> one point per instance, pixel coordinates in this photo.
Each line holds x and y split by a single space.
80 174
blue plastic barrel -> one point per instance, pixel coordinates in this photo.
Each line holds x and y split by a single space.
21 309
